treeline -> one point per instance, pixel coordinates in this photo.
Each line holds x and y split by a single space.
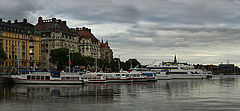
60 58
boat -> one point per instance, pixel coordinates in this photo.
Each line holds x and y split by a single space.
179 71
160 75
141 74
48 78
94 78
118 77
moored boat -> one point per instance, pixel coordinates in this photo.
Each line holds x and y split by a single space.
94 78
118 77
48 78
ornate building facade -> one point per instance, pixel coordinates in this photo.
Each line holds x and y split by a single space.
21 43
55 34
88 43
106 51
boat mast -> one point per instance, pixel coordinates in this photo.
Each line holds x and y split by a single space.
69 62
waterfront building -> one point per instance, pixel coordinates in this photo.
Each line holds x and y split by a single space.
106 51
21 43
89 45
55 34
227 68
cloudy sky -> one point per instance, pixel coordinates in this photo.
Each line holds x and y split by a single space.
198 31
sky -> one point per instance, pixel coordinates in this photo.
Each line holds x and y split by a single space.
197 31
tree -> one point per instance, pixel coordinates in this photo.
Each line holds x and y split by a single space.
59 57
131 63
3 55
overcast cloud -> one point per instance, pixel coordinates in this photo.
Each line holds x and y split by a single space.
198 31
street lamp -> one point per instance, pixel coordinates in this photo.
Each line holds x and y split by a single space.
69 61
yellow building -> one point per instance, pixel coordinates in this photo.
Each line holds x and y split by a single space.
21 44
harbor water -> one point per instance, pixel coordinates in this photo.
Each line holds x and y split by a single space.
219 94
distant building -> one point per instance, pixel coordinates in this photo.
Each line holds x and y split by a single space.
89 44
227 68
106 51
21 43
56 34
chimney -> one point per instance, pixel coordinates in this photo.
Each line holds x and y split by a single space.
59 20
16 21
39 19
89 30
64 22
54 20
0 19
25 20
9 21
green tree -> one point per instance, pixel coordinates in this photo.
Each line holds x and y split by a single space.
59 57
3 55
131 63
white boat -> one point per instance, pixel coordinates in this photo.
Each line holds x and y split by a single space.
179 71
138 76
48 78
94 78
118 77
162 76
142 74
99 77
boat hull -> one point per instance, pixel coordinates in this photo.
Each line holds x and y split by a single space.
163 77
97 81
187 76
140 79
120 80
23 81
151 79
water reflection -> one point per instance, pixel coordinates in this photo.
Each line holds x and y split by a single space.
173 95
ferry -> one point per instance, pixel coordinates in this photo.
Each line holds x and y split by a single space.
142 74
180 71
118 77
94 78
48 78
100 77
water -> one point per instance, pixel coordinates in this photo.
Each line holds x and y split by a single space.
168 95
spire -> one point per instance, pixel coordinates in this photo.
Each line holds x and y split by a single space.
175 59
107 42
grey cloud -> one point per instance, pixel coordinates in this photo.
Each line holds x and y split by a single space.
199 31
19 9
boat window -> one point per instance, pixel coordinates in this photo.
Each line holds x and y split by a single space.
63 78
67 77
47 78
38 77
42 77
127 75
76 78
167 73
28 77
117 74
33 77
138 75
